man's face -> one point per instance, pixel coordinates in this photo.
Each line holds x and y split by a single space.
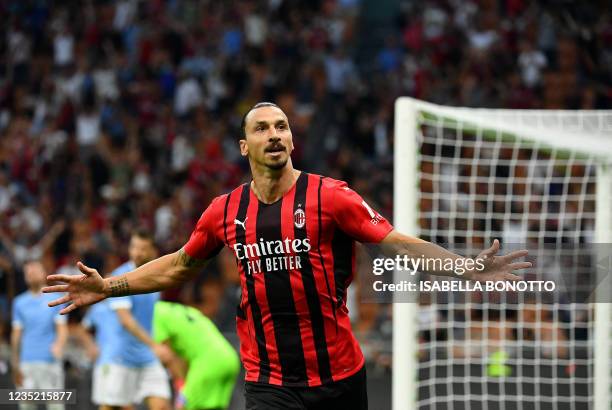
35 275
268 138
141 250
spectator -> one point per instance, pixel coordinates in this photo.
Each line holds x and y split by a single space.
188 95
63 46
340 72
532 62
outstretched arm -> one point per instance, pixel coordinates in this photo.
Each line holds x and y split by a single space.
356 218
162 273
494 268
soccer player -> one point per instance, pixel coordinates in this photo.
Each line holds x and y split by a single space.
212 361
38 338
292 234
137 375
106 350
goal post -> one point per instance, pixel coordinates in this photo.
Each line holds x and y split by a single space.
405 215
603 311
462 174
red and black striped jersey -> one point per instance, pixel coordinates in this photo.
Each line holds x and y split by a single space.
296 258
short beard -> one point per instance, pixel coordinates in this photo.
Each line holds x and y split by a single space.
278 165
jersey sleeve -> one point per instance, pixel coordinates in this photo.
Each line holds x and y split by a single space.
60 319
121 302
356 218
205 241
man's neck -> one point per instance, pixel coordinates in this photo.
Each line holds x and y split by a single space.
270 185
36 291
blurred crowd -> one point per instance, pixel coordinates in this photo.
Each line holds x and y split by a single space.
118 114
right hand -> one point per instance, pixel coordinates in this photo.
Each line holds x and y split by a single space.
82 290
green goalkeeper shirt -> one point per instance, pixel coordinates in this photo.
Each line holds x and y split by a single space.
190 334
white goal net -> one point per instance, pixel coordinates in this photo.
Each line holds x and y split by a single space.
534 179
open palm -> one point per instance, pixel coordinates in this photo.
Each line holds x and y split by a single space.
499 268
81 290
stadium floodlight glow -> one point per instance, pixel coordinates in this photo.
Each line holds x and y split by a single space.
530 176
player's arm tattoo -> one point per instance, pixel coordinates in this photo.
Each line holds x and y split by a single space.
119 287
183 259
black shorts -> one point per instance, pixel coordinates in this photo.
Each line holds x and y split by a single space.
350 393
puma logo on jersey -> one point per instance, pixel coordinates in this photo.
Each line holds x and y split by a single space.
243 224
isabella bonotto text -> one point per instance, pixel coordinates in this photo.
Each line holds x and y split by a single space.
465 286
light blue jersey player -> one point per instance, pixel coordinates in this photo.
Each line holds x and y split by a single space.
106 324
38 337
138 375
134 352
104 320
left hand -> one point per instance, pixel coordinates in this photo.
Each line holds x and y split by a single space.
498 268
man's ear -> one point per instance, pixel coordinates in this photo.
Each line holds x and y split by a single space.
244 148
291 146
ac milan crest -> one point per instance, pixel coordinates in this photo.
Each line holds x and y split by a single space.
299 218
